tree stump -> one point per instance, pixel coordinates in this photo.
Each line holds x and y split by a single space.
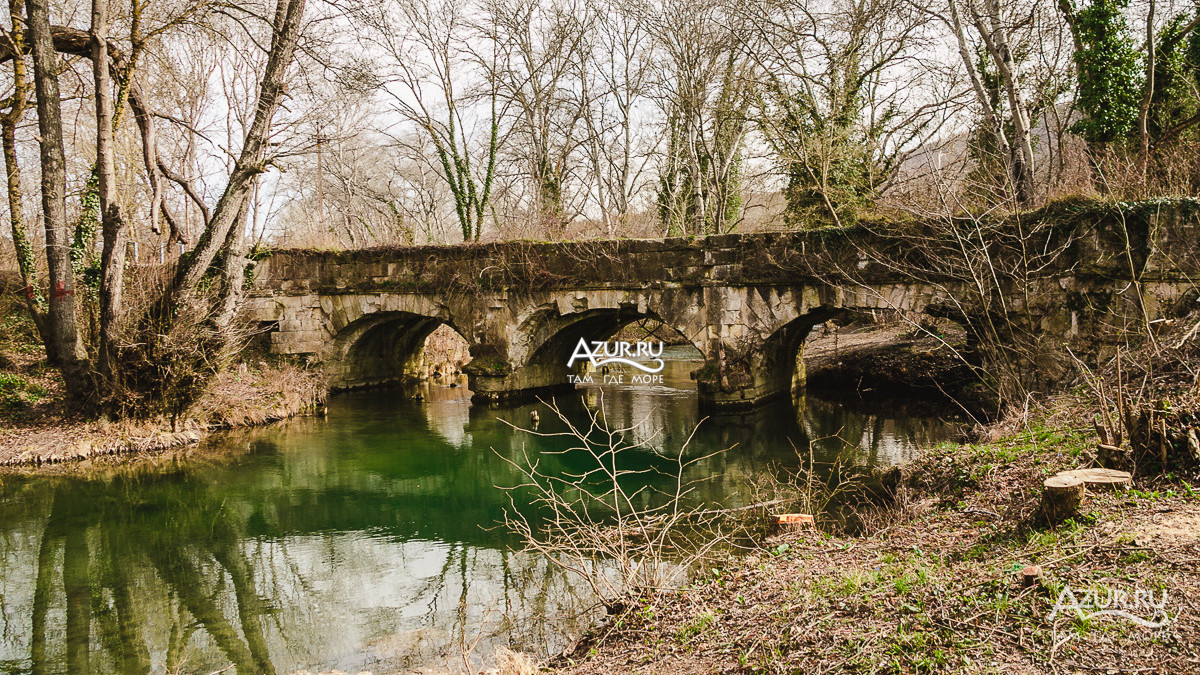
1112 457
1061 497
790 522
1031 576
1101 479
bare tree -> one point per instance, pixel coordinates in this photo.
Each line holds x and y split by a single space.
539 46
832 110
430 64
703 93
624 532
222 233
111 219
991 26
15 106
614 81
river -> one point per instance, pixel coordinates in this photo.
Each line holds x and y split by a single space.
370 539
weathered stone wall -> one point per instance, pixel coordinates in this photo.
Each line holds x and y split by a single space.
746 302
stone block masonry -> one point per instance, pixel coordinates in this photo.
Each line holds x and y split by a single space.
747 302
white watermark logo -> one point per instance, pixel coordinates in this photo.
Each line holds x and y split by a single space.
603 353
600 354
1141 606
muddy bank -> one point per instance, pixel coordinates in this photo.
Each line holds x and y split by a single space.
248 394
38 427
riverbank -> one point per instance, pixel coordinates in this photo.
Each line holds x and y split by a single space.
38 425
249 394
934 583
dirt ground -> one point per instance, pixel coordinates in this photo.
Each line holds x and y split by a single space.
243 396
935 585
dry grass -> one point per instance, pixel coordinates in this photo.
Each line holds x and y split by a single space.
38 425
243 396
933 585
508 662
256 393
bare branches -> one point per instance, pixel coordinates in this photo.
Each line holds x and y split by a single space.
623 530
430 58
224 228
838 124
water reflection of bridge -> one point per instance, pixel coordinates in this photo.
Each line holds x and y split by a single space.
374 521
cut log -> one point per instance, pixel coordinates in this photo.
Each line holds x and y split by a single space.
1030 576
794 519
787 522
1061 497
1101 479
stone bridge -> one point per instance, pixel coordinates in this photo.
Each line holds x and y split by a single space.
747 302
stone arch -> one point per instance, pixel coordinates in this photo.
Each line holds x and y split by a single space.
600 315
759 353
757 336
546 334
777 366
593 324
381 347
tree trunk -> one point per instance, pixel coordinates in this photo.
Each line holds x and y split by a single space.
989 114
112 259
16 208
230 207
233 271
996 40
1143 128
19 100
66 344
696 198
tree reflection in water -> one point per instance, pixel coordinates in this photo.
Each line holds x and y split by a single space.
158 571
365 541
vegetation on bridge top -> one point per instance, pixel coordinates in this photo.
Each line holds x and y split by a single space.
1082 236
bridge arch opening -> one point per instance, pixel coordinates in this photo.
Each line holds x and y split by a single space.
895 356
760 370
627 324
783 352
397 348
546 340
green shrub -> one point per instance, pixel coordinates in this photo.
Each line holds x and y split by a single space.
17 394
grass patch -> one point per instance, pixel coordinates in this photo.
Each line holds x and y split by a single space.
17 394
694 628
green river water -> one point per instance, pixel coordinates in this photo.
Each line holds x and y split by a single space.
366 540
